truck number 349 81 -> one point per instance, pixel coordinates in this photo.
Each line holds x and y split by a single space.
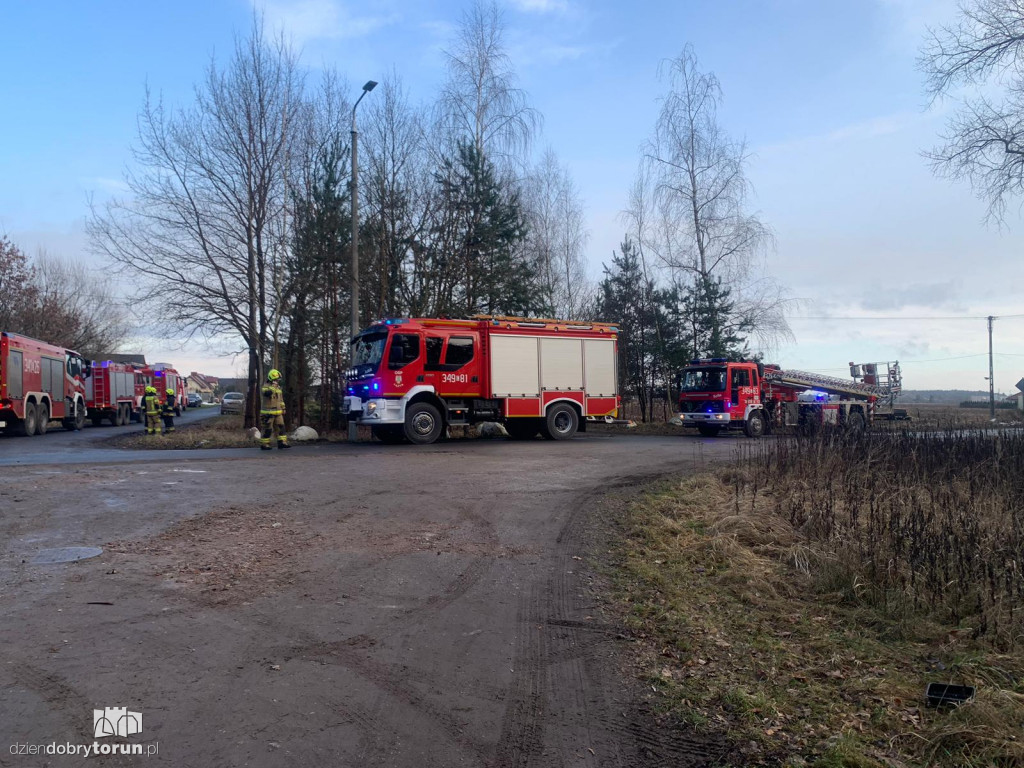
454 378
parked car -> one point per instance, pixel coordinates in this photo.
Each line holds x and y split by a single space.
194 400
232 402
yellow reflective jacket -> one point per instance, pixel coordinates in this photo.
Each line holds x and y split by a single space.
152 405
272 400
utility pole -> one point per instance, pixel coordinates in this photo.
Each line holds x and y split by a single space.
991 375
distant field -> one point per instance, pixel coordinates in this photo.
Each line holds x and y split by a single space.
927 414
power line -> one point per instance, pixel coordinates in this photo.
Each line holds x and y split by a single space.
891 318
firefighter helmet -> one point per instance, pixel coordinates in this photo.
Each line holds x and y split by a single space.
273 374
170 391
150 390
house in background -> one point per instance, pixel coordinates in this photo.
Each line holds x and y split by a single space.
203 385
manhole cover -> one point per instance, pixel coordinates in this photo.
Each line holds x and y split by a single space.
65 555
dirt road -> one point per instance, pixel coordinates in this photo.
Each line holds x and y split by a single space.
332 605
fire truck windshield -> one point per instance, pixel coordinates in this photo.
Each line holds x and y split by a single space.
367 351
704 380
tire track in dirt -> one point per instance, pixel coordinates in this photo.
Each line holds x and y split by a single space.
522 729
566 686
57 693
346 654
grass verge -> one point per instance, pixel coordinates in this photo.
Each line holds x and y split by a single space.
215 432
744 628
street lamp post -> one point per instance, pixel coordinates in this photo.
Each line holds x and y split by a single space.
353 433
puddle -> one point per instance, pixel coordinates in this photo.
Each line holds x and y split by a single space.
65 555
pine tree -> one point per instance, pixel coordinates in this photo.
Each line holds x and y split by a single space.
646 335
710 320
492 276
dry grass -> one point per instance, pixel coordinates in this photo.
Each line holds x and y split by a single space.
924 416
753 622
216 432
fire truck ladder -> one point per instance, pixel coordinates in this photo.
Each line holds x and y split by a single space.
828 384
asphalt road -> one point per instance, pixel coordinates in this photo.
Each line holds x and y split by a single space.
87 445
338 605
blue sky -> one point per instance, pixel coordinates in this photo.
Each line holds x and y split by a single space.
826 95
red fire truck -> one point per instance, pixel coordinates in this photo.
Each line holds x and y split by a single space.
163 376
40 382
112 392
410 378
718 394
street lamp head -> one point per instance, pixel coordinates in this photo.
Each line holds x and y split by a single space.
370 85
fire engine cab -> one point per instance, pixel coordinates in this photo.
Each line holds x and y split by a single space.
410 378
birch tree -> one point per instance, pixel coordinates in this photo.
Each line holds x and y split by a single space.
695 212
557 237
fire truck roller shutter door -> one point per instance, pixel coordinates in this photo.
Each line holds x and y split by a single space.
515 368
561 364
15 370
599 367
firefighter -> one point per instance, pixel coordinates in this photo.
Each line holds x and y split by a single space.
167 412
152 405
272 412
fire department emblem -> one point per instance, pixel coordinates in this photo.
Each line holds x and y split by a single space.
398 379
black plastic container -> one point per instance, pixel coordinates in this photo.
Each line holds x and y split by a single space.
945 694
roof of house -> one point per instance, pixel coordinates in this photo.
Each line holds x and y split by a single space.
202 381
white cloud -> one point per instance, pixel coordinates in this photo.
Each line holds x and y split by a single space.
541 6
105 184
306 20
945 296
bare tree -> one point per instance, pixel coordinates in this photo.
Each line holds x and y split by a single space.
984 140
557 237
399 200
17 286
480 100
77 307
207 220
691 212
60 302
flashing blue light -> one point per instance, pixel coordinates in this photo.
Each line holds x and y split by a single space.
106 363
376 386
393 321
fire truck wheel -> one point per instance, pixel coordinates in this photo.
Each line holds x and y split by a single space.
79 419
707 430
28 424
423 424
855 422
389 435
755 425
561 423
522 429
42 419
